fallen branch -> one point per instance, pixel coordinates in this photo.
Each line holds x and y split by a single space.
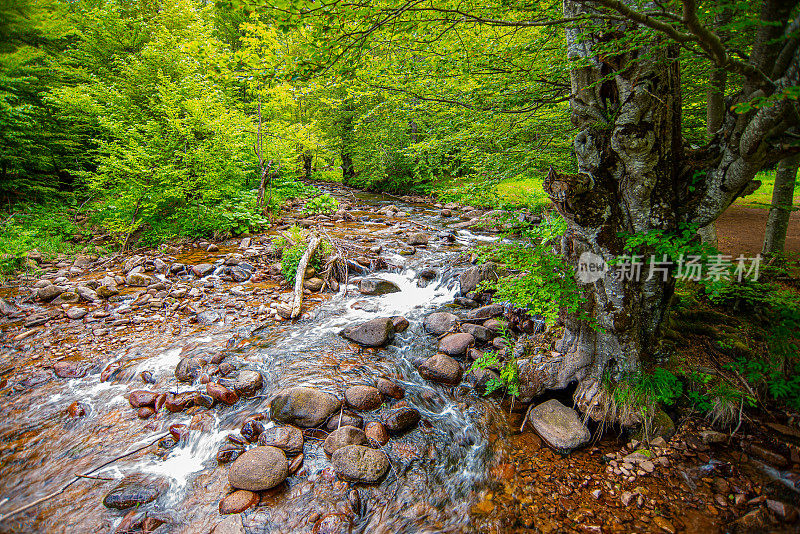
77 478
300 276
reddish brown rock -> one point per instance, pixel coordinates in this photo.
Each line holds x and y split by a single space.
221 394
141 398
377 431
391 389
364 398
76 409
237 502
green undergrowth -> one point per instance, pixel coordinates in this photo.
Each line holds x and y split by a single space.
762 197
293 246
514 193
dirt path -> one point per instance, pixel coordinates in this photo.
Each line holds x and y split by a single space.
741 231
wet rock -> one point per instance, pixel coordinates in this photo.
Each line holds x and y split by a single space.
76 409
287 438
304 407
313 284
239 275
135 279
753 522
8 308
134 490
493 325
473 276
87 294
132 263
439 323
202 269
771 457
486 312
247 383
228 452
377 286
390 389
237 502
356 463
333 524
140 398
207 317
363 398
106 291
296 463
67 369
260 468
344 418
559 426
188 369
377 431
50 292
181 401
785 512
221 394
401 419
441 368
400 324
232 524
145 412
479 379
178 431
456 344
479 332
76 313
347 435
251 430
374 333
417 239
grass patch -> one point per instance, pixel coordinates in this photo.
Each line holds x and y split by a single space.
511 193
762 197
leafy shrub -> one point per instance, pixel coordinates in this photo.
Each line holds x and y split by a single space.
322 204
293 252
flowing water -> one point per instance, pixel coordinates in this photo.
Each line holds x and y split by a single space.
437 471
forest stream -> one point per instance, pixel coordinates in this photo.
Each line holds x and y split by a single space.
69 370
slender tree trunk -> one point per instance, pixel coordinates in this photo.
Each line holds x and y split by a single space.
348 172
628 148
781 209
306 160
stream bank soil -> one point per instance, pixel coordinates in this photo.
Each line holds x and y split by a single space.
90 345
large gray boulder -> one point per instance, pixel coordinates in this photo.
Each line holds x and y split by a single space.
374 333
472 277
356 463
377 286
304 407
439 323
559 426
259 468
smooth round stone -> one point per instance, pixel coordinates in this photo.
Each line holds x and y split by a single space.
356 463
237 502
347 435
260 468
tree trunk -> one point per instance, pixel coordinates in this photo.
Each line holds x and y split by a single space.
628 148
306 162
781 209
348 172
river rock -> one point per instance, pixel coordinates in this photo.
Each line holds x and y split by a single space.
237 502
377 431
347 435
344 418
456 344
246 383
252 430
439 323
356 463
132 263
313 284
134 490
363 398
87 293
188 369
220 393
106 291
333 524
260 468
202 269
400 324
377 286
287 438
68 369
472 277
141 397
304 407
229 452
441 368
479 378
479 332
76 313
374 333
391 389
401 419
50 292
559 426
76 409
207 317
138 280
417 238
489 311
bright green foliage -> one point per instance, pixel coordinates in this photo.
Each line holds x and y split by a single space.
541 281
508 376
293 251
321 204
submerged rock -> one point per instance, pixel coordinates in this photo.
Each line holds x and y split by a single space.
401 419
559 426
304 407
260 468
287 438
377 431
374 333
356 463
134 490
237 502
441 368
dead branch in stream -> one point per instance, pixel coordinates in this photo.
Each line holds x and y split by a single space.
76 478
299 278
